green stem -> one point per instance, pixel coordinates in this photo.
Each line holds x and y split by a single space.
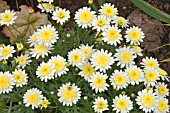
16 30
10 31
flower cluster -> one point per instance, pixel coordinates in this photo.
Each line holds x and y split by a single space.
106 69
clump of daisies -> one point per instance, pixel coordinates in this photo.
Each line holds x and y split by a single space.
54 68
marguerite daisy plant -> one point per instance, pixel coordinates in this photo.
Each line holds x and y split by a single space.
61 15
112 36
69 94
100 105
84 17
7 18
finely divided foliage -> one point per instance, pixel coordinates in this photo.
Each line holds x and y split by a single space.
54 68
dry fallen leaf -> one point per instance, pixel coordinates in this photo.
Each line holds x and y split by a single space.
25 24
3 6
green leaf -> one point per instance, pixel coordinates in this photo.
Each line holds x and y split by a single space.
166 60
3 39
101 2
152 11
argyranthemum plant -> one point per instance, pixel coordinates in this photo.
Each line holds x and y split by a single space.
91 67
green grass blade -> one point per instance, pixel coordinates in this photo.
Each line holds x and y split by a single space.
152 11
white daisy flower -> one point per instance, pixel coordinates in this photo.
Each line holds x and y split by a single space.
121 22
98 82
112 35
87 71
47 35
151 76
135 74
84 17
61 15
59 65
87 50
32 98
125 57
163 74
100 105
6 52
100 23
33 39
146 100
40 51
23 60
76 57
161 89
69 94
162 106
122 104
7 17
6 82
137 50
46 7
134 34
119 79
150 62
45 71
102 60
20 77
108 10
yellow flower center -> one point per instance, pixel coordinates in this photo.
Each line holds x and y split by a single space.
44 103
85 16
100 105
19 77
162 90
5 51
45 70
21 60
76 57
121 21
69 94
40 48
58 64
151 63
4 82
122 104
148 100
134 34
99 81
61 14
120 79
162 105
137 49
108 11
102 59
47 6
88 70
6 17
46 34
87 51
150 75
134 74
20 46
33 37
126 56
112 34
33 98
100 22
